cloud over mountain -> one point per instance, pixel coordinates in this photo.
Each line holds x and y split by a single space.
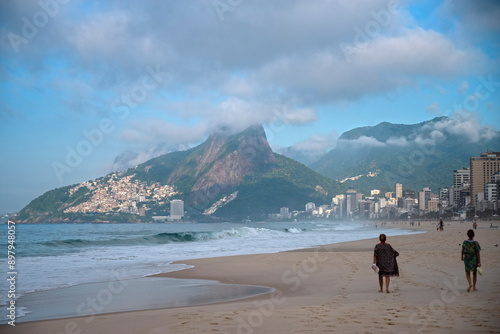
462 123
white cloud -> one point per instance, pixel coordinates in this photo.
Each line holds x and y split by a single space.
152 131
381 65
263 49
233 115
397 141
312 148
237 114
317 143
362 141
437 135
421 141
463 123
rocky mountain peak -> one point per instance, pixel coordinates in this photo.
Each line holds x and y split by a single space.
222 162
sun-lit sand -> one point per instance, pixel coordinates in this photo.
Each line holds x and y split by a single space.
329 289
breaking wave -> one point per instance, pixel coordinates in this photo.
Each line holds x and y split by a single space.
75 245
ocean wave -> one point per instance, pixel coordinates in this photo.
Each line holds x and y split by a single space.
295 230
75 245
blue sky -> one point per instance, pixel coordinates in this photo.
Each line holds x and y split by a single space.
88 87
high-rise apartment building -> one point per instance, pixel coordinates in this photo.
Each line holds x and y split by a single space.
491 192
423 199
461 178
399 190
482 170
433 203
176 209
351 201
461 181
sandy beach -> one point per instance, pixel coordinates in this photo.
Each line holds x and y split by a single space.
329 289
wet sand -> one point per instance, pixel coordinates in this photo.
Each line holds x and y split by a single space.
134 294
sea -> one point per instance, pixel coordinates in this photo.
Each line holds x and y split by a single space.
59 263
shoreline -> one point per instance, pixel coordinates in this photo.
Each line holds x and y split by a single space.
59 308
328 288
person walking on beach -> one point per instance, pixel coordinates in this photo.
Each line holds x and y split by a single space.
471 258
385 259
441 225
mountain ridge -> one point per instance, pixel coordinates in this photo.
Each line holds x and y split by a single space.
239 165
238 176
417 155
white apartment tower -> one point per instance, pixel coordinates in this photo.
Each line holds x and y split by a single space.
176 209
461 178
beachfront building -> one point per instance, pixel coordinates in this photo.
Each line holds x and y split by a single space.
366 208
409 203
491 192
446 197
461 181
433 204
176 209
285 213
341 207
399 191
461 177
482 171
351 202
310 207
423 199
495 192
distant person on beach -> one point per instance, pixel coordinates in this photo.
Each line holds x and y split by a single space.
441 225
471 258
474 225
385 259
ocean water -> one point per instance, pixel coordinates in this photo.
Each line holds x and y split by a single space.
55 256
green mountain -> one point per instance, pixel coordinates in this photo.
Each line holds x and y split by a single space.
417 155
227 177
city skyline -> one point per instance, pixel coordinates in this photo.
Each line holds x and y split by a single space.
93 87
119 193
